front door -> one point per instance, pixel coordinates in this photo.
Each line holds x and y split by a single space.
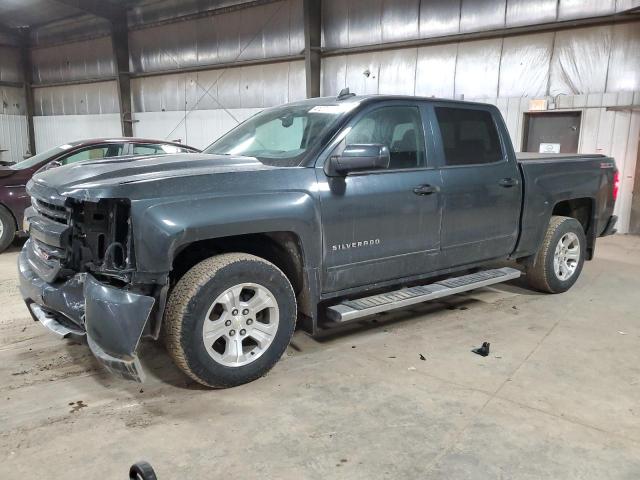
381 225
482 189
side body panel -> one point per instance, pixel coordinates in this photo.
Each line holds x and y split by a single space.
239 203
551 180
481 202
375 227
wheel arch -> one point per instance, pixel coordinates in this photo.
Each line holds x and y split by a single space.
583 210
282 248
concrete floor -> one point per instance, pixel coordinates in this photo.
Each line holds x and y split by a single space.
559 396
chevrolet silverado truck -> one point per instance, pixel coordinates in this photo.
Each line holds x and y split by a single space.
316 213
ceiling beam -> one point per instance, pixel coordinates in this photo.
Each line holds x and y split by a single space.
99 8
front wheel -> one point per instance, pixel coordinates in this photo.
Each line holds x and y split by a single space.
229 319
559 261
7 228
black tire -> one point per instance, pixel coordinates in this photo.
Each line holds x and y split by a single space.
190 301
8 229
142 471
541 274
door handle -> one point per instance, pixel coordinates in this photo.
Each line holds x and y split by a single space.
508 182
426 190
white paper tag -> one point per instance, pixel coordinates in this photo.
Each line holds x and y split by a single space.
549 148
341 108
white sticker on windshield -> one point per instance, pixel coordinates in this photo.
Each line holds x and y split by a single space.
343 107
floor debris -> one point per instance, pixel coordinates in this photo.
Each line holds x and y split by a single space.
422 357
483 350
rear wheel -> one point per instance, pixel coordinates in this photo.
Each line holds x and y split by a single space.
559 261
7 228
229 319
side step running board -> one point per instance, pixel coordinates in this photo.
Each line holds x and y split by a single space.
362 307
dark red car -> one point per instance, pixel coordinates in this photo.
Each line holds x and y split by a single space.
14 177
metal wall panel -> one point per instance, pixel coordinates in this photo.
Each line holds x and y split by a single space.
335 23
624 64
333 75
365 26
439 17
162 10
524 67
14 138
73 61
10 64
436 68
580 60
482 15
266 31
527 12
622 5
572 9
477 68
363 73
198 129
56 130
81 99
70 30
12 101
252 86
400 20
398 71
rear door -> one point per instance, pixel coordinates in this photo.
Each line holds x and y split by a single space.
481 184
377 225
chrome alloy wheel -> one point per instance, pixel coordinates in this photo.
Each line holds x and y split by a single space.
566 256
240 324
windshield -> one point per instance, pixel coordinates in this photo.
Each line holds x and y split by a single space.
40 157
279 136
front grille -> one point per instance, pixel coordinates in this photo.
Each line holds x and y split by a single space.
50 237
57 213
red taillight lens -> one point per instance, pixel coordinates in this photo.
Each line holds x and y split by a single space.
616 185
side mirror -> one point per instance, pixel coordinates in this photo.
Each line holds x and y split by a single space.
360 158
53 164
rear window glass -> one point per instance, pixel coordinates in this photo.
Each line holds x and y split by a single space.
468 136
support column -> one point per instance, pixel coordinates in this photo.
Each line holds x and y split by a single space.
120 43
27 75
312 44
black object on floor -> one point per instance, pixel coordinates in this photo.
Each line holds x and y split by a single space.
142 471
483 350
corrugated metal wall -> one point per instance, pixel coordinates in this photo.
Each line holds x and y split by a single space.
14 142
578 61
266 31
353 23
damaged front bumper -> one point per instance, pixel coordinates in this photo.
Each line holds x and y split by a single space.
112 319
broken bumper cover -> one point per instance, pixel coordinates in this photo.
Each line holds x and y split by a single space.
112 319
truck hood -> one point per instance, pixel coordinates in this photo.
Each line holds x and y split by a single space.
108 177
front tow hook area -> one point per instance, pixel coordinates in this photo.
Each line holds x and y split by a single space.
114 321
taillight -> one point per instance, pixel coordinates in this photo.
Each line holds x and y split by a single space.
616 185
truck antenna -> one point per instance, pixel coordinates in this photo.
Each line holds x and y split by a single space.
345 93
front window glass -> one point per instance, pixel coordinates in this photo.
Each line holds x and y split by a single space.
398 128
279 136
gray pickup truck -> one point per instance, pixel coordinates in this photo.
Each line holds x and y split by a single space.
315 214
